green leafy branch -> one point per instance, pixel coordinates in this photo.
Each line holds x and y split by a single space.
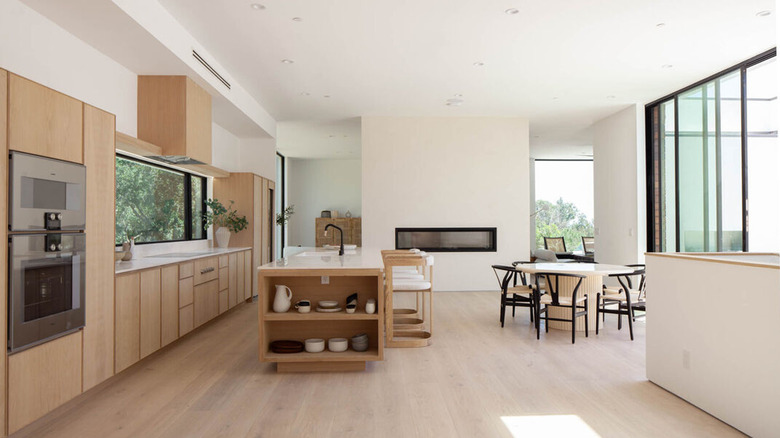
221 216
283 217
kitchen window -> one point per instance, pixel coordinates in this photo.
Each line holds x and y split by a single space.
157 204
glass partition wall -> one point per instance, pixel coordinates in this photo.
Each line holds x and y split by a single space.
708 145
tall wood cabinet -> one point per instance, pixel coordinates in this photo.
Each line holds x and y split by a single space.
253 197
3 238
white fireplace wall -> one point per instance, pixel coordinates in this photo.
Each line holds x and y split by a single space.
448 172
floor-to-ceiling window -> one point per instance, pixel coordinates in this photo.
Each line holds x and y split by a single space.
706 144
564 201
281 235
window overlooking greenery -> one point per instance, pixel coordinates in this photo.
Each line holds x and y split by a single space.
157 204
564 201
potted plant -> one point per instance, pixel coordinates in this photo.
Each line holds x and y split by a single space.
225 220
283 217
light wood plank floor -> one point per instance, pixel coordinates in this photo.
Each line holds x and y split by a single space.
210 384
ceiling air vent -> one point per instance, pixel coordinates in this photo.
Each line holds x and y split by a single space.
211 69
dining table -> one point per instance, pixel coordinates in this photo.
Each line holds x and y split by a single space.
591 285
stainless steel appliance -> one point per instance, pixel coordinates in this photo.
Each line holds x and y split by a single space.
46 194
47 262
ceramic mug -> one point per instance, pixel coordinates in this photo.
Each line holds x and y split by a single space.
370 306
303 306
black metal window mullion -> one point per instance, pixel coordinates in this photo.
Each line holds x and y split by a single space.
676 174
188 206
744 140
705 171
718 169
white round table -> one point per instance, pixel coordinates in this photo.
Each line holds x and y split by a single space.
591 285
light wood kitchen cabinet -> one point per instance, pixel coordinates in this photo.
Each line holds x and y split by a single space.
42 378
175 114
206 302
128 320
241 279
224 278
186 322
185 292
232 280
169 305
99 160
3 238
150 312
44 122
186 269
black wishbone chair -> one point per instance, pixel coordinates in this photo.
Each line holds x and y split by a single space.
577 303
512 294
627 298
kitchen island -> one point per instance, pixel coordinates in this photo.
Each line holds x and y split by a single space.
316 274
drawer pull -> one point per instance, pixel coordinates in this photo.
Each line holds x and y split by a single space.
207 270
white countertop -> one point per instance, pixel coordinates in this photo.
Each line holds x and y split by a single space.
321 258
176 257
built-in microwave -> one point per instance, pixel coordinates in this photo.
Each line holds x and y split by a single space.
46 194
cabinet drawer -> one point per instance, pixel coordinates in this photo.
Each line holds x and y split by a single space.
185 270
185 292
223 261
206 270
223 278
185 320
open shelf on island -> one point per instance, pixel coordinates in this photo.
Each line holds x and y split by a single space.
317 316
345 356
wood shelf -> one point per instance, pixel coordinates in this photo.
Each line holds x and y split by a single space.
329 356
293 315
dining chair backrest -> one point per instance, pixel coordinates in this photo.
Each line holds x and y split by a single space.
506 274
556 244
627 280
588 244
552 280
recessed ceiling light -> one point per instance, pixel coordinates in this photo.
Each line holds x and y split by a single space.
257 6
667 66
331 136
610 97
478 64
287 61
660 25
458 95
297 19
454 102
535 136
326 96
511 11
303 93
555 98
764 13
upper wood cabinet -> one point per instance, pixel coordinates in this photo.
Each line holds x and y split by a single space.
175 114
44 122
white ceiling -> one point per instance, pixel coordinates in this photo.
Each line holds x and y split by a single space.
563 64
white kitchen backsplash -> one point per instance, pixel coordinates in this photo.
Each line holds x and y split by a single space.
152 249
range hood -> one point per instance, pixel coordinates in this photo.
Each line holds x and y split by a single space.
175 159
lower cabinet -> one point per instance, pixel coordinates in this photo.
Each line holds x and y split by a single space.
154 307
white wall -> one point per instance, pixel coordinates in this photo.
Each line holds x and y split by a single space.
713 341
34 47
448 172
316 185
234 154
619 187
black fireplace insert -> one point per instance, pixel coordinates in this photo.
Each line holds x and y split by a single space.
481 239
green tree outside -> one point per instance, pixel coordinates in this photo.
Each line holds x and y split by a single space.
561 219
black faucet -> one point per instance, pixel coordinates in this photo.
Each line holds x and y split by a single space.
341 235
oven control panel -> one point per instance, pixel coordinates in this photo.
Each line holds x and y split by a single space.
53 220
53 243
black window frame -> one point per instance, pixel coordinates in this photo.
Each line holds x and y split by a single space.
283 188
653 241
188 176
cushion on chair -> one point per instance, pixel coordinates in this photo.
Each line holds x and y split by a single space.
566 301
411 285
407 276
614 294
397 269
545 255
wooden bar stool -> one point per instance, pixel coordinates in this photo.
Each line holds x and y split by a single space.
404 330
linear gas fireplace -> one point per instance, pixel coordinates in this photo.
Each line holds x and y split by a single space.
447 239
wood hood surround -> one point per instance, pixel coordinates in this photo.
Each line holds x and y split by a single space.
175 114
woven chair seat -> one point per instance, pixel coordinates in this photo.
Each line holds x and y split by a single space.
564 301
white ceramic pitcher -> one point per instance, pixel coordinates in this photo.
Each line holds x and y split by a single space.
283 299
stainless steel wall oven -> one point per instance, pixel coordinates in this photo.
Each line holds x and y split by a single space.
47 244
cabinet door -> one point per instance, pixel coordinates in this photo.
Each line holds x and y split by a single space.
240 276
248 275
186 319
206 302
128 319
44 122
232 279
169 306
185 292
99 159
150 312
223 278
223 301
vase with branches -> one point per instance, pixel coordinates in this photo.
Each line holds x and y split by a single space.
225 219
284 217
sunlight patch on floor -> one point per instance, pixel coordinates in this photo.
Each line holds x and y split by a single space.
548 426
